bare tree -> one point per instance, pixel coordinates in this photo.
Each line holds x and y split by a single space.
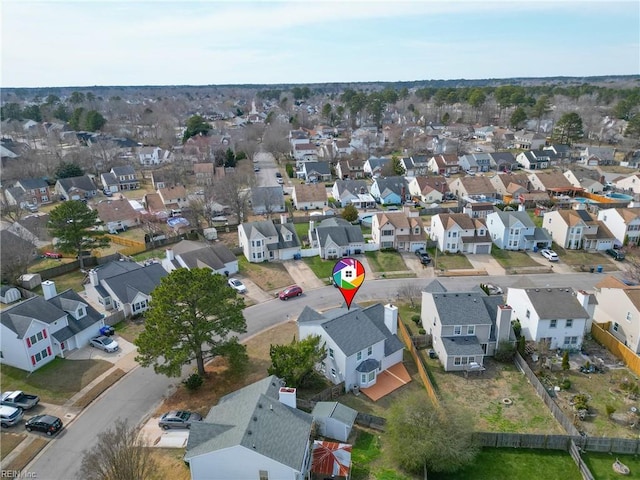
119 454
17 253
9 212
233 191
632 271
275 139
410 291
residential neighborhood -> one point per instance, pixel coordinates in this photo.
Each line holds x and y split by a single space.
488 251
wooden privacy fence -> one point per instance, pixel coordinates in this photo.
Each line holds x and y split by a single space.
623 446
541 390
422 371
133 246
600 333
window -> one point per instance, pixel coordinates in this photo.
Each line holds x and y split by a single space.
331 353
372 376
471 329
570 340
569 323
553 324
323 367
387 233
456 360
628 317
457 330
263 475
615 327
369 351
39 335
333 372
363 378
359 356
528 315
32 339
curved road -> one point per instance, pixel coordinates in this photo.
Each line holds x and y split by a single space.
137 395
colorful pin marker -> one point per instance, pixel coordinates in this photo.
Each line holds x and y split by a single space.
348 275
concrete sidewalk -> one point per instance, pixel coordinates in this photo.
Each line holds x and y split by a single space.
68 411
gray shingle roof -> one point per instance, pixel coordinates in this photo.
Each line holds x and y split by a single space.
335 410
253 417
83 183
397 185
353 187
32 183
462 345
143 280
466 308
552 303
198 254
509 219
369 365
340 231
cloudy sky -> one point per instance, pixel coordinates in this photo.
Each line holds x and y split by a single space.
159 42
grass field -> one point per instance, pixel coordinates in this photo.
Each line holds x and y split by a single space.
55 382
449 261
385 261
513 259
9 441
600 465
516 464
267 275
322 268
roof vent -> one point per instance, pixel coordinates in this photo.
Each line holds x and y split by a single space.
249 432
271 407
537 289
259 405
255 419
567 290
548 289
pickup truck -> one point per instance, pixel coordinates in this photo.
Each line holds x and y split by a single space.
19 399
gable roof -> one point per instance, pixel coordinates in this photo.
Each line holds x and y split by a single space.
355 329
388 185
338 230
142 280
466 308
434 182
115 210
509 218
199 254
354 187
555 303
83 182
268 228
310 193
476 185
322 168
462 220
123 171
553 180
254 418
32 183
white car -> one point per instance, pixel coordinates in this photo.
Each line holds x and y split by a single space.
107 344
237 285
549 254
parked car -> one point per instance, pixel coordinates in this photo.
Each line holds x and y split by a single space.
102 342
32 207
237 285
492 289
10 416
280 181
616 254
44 423
278 175
178 419
291 291
52 255
425 258
19 399
256 169
549 254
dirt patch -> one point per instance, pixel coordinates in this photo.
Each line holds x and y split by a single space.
269 276
170 460
500 398
9 441
25 457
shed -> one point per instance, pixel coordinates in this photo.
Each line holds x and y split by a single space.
30 280
9 294
334 420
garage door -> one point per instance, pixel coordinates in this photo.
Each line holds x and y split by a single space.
483 248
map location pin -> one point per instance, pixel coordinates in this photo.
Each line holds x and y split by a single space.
348 275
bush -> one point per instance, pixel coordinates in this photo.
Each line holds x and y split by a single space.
505 352
193 382
517 328
565 384
416 319
422 331
565 360
289 168
521 345
581 402
610 409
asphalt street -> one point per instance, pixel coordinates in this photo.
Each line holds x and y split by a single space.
139 393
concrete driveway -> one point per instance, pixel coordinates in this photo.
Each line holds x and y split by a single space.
486 262
89 352
303 275
254 292
413 263
154 436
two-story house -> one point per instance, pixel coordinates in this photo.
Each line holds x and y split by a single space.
465 327
174 197
510 184
361 343
153 155
577 229
629 184
267 200
475 162
528 140
478 188
204 173
35 331
373 166
457 232
76 188
315 171
534 159
304 152
335 238
266 240
594 156
399 231
127 177
415 165
516 231
619 304
503 161
350 168
428 189
390 190
623 223
555 316
353 191
586 184
444 164
117 215
35 191
478 209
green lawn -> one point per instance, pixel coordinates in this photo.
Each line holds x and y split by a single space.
55 382
600 465
71 280
449 261
302 229
367 461
385 261
537 221
322 268
581 257
512 259
516 464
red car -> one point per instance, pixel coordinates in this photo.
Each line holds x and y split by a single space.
292 291
52 255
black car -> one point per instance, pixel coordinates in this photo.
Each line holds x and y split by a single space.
616 254
425 259
44 423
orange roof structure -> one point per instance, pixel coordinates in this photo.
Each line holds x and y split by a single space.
331 458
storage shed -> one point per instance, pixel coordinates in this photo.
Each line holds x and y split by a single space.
334 420
9 294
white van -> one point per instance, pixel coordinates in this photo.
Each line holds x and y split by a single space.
9 415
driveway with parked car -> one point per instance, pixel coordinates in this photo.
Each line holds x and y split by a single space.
89 352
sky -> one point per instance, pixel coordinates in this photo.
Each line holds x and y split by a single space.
161 42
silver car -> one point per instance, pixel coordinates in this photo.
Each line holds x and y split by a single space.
9 415
178 419
107 344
